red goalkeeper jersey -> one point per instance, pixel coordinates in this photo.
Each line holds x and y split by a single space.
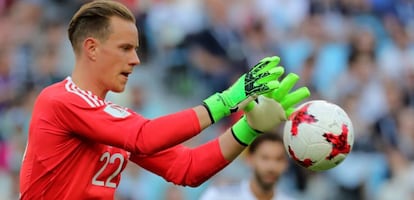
78 145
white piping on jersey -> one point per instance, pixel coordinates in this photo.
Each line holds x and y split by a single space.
91 100
96 98
88 95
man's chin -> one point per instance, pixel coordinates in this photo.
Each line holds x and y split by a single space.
267 182
118 90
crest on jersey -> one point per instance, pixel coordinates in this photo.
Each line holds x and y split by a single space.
117 111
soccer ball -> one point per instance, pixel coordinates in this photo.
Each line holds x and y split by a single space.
318 135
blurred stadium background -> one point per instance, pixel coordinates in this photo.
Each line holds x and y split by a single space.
358 54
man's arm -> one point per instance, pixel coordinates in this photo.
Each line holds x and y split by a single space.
203 117
229 146
191 167
133 133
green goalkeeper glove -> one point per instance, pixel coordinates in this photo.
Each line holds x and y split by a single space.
269 110
262 78
287 100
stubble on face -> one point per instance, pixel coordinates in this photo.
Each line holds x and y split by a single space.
269 162
262 183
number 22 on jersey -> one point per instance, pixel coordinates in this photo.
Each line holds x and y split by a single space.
108 174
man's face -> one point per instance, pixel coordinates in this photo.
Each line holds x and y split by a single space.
269 161
116 56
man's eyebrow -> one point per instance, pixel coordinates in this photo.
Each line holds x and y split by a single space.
129 45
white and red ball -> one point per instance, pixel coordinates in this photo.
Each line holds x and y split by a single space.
318 135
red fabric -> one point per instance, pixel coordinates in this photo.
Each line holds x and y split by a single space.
167 131
184 166
79 144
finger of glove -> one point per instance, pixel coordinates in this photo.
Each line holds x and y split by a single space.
272 85
264 88
295 97
265 65
269 76
285 86
270 58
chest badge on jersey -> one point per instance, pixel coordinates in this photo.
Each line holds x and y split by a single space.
117 111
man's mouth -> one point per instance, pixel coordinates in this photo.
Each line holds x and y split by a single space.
126 74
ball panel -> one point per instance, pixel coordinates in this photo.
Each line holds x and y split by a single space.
322 165
311 134
318 135
298 146
318 151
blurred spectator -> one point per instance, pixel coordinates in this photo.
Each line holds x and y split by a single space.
26 17
8 84
130 187
404 11
216 52
387 125
257 42
282 15
398 54
268 161
363 80
5 6
307 76
400 158
408 85
46 68
174 193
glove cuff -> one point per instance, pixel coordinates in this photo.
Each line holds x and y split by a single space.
243 133
216 107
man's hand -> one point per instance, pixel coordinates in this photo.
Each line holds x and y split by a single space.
269 110
262 78
289 100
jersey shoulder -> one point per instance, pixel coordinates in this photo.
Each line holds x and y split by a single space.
66 92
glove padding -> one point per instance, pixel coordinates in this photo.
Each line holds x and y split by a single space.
266 114
262 78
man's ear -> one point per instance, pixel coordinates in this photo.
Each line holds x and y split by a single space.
89 47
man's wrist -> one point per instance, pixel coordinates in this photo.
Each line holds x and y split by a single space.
216 107
243 133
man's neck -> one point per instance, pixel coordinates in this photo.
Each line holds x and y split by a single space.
259 192
85 82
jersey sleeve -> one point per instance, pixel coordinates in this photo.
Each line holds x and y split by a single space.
184 166
120 127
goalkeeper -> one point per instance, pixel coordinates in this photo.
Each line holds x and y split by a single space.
78 143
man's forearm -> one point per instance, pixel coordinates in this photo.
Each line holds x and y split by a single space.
203 116
167 131
229 146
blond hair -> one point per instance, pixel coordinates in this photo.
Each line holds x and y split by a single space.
93 20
